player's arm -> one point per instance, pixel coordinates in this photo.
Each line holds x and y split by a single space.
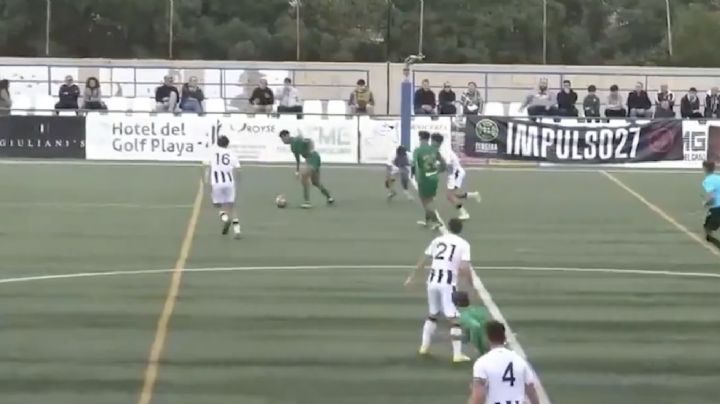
297 162
478 391
531 393
422 263
709 195
465 266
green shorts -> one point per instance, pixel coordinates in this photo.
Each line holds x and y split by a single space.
427 188
313 161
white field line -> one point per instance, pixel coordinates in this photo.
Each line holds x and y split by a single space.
353 267
377 167
494 310
77 205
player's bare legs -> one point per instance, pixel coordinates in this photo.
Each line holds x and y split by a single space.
390 183
305 175
315 180
431 218
428 331
225 219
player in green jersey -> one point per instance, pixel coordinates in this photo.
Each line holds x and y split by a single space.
310 173
472 321
427 165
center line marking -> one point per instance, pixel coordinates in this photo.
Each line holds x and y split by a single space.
161 331
660 212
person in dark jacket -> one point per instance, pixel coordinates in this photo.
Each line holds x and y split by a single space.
665 95
68 94
591 103
638 103
712 103
446 100
192 97
566 100
690 105
262 98
167 96
424 99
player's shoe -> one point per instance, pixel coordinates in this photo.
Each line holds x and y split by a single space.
391 195
462 358
422 223
463 214
306 205
237 235
226 227
409 196
475 195
436 226
424 351
330 200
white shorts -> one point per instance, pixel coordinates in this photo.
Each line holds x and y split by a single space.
455 179
223 193
440 300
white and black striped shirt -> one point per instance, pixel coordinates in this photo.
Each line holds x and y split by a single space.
447 253
222 166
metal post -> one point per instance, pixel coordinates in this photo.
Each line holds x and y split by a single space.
48 14
544 35
387 30
669 28
297 29
422 21
170 28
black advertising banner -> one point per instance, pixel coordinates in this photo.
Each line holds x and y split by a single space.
591 143
42 137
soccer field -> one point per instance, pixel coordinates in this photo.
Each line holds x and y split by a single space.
612 302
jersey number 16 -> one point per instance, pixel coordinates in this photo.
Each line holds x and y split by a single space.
222 158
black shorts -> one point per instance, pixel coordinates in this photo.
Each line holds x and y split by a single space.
712 220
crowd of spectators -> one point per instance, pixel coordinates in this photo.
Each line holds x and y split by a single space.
541 102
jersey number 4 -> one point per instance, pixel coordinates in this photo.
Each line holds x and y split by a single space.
442 249
509 375
223 159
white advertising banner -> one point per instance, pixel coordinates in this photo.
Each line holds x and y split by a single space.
255 138
153 138
188 137
380 137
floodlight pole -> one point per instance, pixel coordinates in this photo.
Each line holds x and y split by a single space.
544 34
422 22
48 14
297 30
669 28
170 28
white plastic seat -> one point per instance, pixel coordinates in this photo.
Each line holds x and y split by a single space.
143 105
215 105
515 109
117 104
45 104
312 107
22 104
337 107
494 109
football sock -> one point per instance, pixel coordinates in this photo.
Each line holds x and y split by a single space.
456 337
462 196
427 333
236 225
306 192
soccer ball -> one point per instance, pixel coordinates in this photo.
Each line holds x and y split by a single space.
280 201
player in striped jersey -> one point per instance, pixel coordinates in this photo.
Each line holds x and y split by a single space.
456 175
398 165
449 259
221 173
501 375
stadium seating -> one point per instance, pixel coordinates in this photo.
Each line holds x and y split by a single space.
21 105
494 109
142 104
44 104
312 107
515 110
337 107
117 104
215 105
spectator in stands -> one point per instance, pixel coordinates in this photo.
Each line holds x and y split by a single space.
690 105
638 103
362 100
446 100
591 103
615 105
541 103
712 103
167 96
192 97
5 100
92 97
471 100
289 98
566 100
262 98
424 99
665 95
664 110
68 95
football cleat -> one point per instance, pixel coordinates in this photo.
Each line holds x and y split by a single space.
461 358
